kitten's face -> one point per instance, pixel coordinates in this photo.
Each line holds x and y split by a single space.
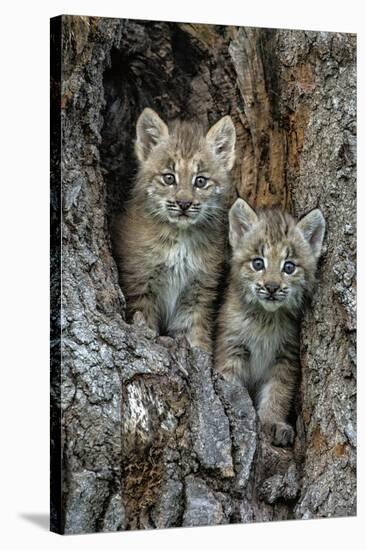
275 257
184 174
275 273
184 190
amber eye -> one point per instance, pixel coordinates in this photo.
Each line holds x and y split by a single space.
289 267
169 179
258 264
200 182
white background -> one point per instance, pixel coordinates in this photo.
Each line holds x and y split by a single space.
24 233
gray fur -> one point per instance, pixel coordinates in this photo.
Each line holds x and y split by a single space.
257 341
170 260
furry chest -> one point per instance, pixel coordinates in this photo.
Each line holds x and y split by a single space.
265 344
180 268
180 262
178 257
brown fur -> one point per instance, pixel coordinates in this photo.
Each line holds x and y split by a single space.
169 259
258 326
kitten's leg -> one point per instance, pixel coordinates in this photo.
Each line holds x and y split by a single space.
233 369
194 316
274 402
231 358
199 333
146 303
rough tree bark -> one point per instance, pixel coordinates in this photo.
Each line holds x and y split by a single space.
149 436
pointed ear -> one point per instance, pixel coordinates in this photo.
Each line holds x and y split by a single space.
150 129
241 220
312 226
221 140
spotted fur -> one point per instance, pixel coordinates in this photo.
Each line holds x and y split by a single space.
257 341
170 241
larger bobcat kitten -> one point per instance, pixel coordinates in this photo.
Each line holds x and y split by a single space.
273 269
170 241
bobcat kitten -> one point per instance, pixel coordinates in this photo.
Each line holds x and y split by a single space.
273 269
170 241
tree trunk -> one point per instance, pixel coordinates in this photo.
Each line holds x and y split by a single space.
145 433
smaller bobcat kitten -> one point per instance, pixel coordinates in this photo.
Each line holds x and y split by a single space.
273 269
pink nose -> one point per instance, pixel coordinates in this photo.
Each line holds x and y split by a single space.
184 205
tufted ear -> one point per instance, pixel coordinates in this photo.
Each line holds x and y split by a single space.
150 129
221 140
241 220
312 226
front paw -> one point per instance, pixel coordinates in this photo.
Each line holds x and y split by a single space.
204 344
141 321
281 433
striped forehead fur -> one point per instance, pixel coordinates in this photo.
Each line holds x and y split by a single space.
187 137
277 225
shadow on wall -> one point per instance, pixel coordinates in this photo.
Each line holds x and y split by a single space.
40 520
